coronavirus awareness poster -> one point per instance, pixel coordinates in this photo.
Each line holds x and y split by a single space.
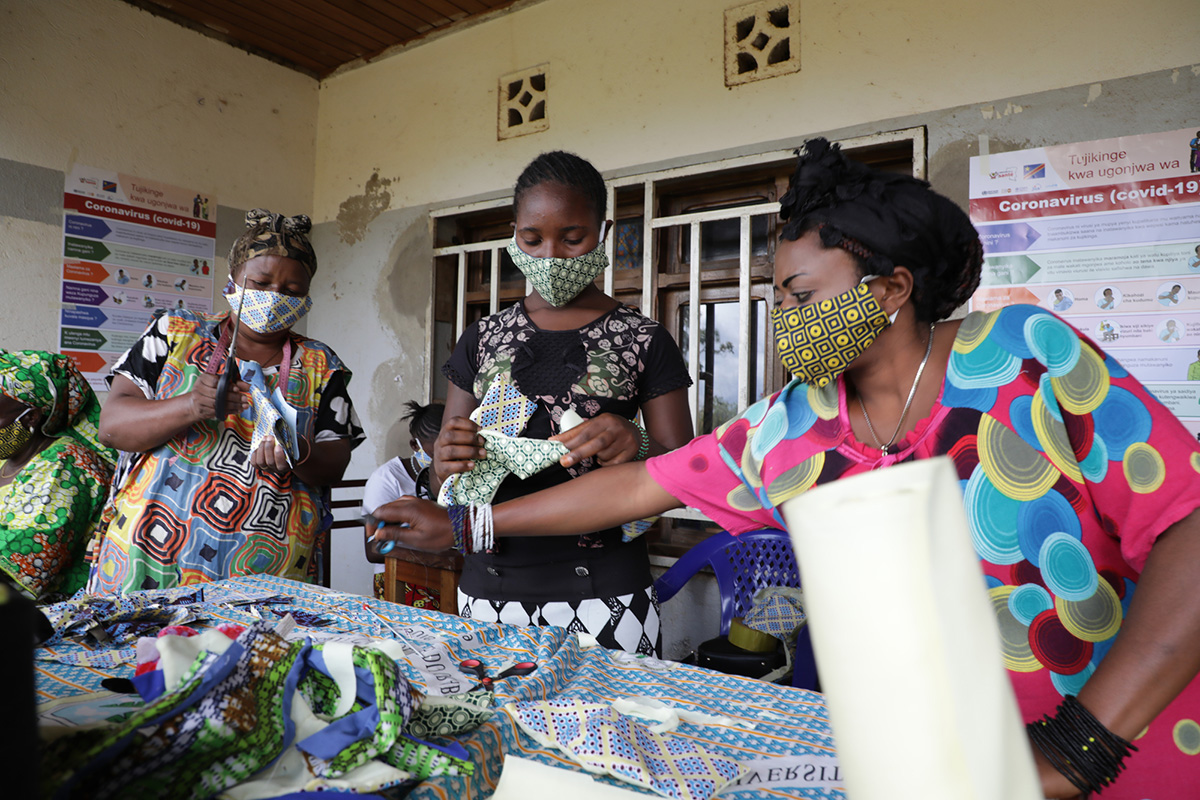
1106 234
131 246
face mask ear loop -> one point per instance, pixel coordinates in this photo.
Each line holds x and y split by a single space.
894 314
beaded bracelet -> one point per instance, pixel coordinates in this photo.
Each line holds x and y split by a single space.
643 443
1088 754
459 522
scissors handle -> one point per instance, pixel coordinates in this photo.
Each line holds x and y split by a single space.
222 403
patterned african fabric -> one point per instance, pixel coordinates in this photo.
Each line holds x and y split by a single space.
48 515
629 622
501 416
269 234
51 509
194 509
1070 470
614 364
604 741
231 715
776 730
53 384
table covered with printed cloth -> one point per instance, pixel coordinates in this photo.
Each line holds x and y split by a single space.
777 738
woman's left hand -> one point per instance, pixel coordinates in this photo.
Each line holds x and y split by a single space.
612 439
271 457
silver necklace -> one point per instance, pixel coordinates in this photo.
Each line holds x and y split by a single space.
884 448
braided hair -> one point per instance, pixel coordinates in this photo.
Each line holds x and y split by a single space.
884 220
565 169
424 422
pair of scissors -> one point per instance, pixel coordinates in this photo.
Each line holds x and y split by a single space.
473 666
390 544
231 366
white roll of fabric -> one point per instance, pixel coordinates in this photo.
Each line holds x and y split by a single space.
906 641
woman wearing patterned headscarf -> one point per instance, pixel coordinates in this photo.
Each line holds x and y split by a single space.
1080 488
201 497
54 473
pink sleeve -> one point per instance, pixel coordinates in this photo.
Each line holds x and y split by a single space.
697 475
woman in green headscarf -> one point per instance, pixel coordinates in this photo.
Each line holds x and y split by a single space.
54 473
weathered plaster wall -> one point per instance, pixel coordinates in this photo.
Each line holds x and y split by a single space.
102 83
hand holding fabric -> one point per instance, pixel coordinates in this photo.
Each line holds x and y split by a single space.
612 439
458 447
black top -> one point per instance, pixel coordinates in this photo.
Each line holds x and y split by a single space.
614 364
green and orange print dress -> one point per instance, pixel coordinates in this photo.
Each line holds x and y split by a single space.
1070 469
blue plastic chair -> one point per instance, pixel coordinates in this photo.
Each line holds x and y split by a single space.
744 564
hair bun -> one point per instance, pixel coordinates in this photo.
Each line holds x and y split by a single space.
260 216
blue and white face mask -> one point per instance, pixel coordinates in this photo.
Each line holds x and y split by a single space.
420 459
268 312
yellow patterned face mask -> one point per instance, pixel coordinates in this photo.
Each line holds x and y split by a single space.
14 436
818 341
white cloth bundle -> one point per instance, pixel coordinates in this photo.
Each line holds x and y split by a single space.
906 641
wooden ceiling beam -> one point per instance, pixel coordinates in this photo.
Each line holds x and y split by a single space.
235 33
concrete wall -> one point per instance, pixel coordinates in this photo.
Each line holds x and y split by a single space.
101 83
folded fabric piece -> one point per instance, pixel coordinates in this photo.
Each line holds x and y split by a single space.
501 416
234 713
450 715
605 742
100 659
777 611
272 415
421 760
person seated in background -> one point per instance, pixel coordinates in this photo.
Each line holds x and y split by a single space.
54 473
403 477
199 496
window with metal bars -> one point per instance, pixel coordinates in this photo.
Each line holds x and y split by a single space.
692 247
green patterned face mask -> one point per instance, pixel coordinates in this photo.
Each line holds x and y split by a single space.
560 280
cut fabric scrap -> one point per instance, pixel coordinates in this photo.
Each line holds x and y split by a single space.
501 416
503 408
606 742
777 611
450 715
272 415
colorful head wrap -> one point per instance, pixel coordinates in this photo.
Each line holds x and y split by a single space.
887 219
270 234
53 385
